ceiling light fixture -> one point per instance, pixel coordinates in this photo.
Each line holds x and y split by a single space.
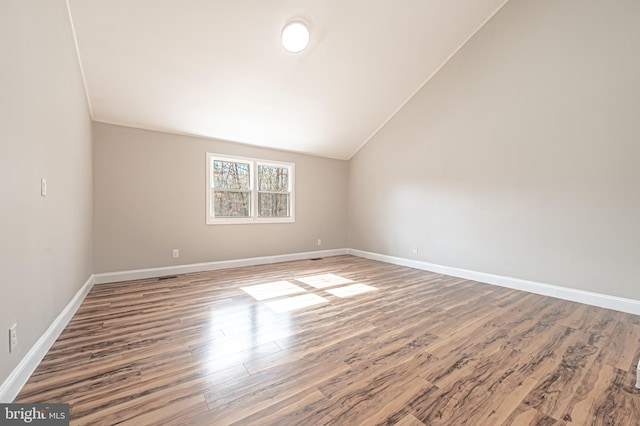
295 36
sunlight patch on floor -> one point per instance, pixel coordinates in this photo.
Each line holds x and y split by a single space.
350 290
296 302
324 280
269 292
272 290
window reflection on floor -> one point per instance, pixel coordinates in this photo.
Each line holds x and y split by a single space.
297 302
351 290
239 332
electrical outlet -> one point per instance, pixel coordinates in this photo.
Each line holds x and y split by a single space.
176 253
414 249
13 337
319 241
43 187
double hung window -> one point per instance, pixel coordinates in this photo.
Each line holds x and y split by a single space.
246 190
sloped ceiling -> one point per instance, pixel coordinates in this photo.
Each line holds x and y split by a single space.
216 68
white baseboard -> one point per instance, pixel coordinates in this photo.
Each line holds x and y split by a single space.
595 299
574 295
19 376
137 274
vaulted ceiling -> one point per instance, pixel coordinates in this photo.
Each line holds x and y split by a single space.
216 68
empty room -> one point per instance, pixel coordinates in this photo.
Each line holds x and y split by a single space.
319 212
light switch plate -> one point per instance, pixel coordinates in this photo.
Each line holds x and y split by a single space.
43 187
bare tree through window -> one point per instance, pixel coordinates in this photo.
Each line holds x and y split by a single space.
273 191
246 190
232 189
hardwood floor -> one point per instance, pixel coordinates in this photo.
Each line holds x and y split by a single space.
422 349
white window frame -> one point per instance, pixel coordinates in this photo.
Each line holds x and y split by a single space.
253 166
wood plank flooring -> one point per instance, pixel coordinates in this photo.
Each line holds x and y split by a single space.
422 349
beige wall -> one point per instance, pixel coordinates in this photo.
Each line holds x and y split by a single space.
521 157
45 131
150 198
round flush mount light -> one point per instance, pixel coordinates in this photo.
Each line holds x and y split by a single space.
295 36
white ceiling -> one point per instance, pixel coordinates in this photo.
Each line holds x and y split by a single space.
216 68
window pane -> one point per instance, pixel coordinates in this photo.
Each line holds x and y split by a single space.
231 175
273 205
231 204
272 178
